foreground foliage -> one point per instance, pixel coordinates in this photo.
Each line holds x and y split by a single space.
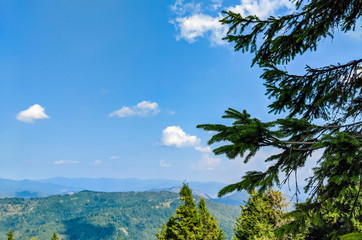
333 221
330 95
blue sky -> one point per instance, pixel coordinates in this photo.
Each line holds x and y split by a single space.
115 88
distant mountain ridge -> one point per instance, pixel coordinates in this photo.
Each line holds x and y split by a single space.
60 185
11 188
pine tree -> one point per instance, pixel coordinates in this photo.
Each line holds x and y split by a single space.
55 236
330 96
186 223
10 235
210 228
189 222
260 216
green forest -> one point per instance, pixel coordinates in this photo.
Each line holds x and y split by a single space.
93 215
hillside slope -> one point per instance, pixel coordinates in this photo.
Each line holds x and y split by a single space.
98 216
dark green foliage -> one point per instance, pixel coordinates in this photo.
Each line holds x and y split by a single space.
330 95
340 166
260 216
319 93
55 236
94 216
286 36
190 223
10 235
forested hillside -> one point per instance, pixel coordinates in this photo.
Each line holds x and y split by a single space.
93 215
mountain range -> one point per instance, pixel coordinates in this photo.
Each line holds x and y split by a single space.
60 185
99 216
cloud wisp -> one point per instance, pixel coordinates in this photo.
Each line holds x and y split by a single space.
31 114
96 162
143 109
164 164
207 162
64 162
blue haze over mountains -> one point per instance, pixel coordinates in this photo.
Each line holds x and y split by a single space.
59 185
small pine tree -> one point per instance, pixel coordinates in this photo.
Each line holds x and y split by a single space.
55 236
210 228
189 222
259 217
186 223
10 235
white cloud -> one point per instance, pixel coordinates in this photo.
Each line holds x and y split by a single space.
62 162
176 137
202 21
164 164
144 109
97 162
123 112
32 113
200 25
261 8
207 162
113 157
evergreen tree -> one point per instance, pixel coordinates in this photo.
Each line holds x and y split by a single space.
55 236
186 223
189 222
330 96
260 216
10 235
210 228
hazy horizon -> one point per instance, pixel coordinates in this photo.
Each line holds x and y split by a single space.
145 179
